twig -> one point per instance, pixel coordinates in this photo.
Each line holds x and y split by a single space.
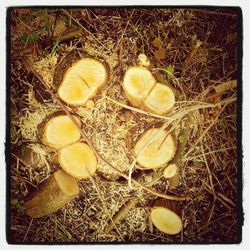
222 198
136 109
177 115
209 173
194 50
205 131
87 140
26 234
69 15
118 44
103 203
121 213
208 153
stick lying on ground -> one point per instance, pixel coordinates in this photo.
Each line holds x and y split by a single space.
121 213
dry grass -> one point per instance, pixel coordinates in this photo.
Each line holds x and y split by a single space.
209 164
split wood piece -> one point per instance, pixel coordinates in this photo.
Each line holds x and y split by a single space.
154 148
166 216
54 193
82 80
160 100
120 214
59 130
143 91
78 160
27 156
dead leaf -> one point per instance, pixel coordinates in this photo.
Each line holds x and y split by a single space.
160 54
59 27
157 42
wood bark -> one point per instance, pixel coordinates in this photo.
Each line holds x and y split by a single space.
51 195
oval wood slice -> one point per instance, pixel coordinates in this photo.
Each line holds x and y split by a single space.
155 148
79 76
166 216
58 130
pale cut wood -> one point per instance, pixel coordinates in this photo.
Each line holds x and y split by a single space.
59 131
86 138
82 80
170 171
51 195
78 160
160 100
143 91
137 83
225 86
166 216
154 149
144 61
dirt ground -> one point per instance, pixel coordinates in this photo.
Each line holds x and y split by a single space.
193 49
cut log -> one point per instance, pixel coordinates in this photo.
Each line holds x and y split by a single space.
137 83
59 131
27 156
143 60
166 216
160 100
170 171
55 192
154 149
78 160
82 80
143 91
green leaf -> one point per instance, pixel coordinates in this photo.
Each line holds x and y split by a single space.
169 71
13 202
17 204
33 38
20 207
56 46
181 138
47 24
195 161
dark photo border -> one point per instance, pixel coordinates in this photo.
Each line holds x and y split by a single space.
240 217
